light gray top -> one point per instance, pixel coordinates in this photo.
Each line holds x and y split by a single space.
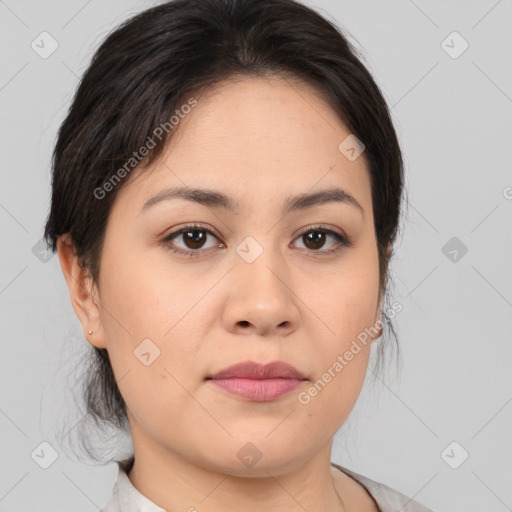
126 498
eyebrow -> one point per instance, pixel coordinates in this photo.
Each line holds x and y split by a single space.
214 199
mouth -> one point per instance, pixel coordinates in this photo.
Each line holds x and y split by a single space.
257 382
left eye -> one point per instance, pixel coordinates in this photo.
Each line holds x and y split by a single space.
194 238
315 239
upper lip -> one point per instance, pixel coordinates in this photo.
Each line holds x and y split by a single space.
252 370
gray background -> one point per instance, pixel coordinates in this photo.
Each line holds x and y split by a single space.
453 116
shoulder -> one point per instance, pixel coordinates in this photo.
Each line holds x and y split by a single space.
387 499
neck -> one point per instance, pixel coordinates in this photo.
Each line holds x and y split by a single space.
175 483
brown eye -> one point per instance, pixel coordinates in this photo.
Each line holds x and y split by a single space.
194 238
316 239
190 240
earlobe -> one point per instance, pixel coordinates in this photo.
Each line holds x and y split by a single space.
379 322
81 292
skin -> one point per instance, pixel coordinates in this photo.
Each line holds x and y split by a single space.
257 140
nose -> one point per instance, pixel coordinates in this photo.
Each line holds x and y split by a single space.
261 299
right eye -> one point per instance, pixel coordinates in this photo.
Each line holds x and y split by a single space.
193 238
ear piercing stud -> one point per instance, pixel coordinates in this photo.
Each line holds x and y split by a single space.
90 332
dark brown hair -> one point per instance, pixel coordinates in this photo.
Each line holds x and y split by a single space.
150 66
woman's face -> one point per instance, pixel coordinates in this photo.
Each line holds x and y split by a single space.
255 281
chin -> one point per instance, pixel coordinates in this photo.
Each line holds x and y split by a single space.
256 458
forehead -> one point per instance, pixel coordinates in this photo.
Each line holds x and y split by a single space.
255 138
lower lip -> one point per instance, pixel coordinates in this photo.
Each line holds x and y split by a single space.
258 390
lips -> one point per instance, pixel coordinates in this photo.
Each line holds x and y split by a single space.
257 382
250 370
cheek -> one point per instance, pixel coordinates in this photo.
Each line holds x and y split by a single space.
347 300
142 301
342 357
149 390
347 306
137 304
328 401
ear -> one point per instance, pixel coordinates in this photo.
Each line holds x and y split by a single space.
379 320
82 291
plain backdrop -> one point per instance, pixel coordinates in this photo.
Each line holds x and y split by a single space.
440 433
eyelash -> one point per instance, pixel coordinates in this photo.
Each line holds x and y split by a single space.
342 241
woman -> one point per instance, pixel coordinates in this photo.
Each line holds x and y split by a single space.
226 194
